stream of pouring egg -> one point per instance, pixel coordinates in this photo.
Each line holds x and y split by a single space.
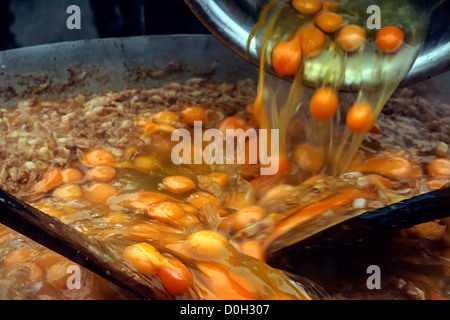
376 76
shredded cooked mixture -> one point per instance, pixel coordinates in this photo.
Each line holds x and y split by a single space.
102 164
43 134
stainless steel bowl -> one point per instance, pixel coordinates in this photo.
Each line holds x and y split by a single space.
231 21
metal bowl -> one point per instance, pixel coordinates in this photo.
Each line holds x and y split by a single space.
231 21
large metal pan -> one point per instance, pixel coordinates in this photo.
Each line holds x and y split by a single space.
94 66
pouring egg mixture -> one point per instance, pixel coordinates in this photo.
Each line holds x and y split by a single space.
103 163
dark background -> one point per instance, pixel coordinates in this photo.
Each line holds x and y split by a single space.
33 22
